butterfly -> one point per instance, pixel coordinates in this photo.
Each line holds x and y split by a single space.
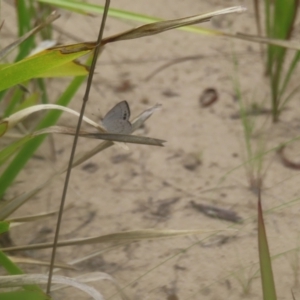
117 119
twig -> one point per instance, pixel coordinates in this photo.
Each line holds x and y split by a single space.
85 99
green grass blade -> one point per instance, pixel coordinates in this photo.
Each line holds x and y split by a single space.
13 269
268 285
25 17
24 295
31 100
13 102
43 89
284 14
27 151
289 97
246 121
289 74
8 265
11 149
4 226
35 66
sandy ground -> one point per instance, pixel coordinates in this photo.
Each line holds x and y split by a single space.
152 187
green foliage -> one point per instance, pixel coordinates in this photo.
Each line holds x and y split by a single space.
25 13
28 150
268 285
13 269
280 19
4 226
24 295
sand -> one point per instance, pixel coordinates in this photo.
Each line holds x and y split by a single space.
152 187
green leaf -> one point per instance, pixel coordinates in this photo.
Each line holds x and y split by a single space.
8 265
280 27
3 128
69 69
4 226
36 65
24 295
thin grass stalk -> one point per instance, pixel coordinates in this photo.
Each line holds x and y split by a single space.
274 78
43 89
258 24
72 155
268 25
290 95
247 126
257 17
289 74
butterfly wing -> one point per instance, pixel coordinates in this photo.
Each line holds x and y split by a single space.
117 119
121 127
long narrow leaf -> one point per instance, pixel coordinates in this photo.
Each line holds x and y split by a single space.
4 226
159 27
268 285
24 295
26 35
34 66
10 150
143 234
289 74
126 15
134 139
13 269
20 115
29 279
27 151
24 20
10 206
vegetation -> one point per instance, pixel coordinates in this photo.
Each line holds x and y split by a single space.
24 90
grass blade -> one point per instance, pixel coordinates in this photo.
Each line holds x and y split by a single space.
122 14
29 279
13 269
124 236
268 285
4 226
27 151
27 35
24 295
25 15
34 66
